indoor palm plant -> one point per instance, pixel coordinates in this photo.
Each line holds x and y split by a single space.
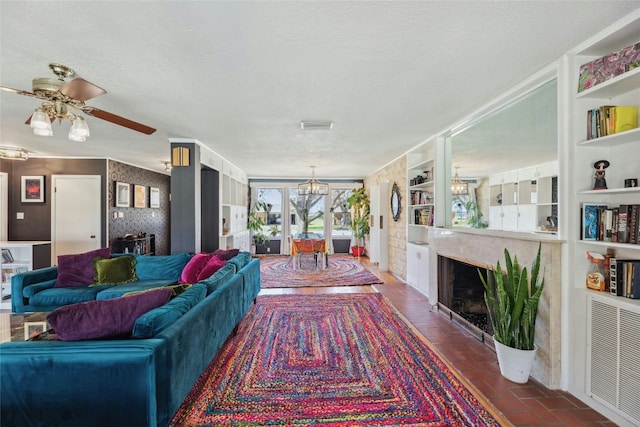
359 208
512 300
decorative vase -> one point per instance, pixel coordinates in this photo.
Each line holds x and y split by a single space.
515 365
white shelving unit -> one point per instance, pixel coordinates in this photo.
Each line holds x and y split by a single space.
604 328
420 200
234 210
26 255
521 200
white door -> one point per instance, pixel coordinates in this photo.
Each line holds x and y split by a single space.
75 214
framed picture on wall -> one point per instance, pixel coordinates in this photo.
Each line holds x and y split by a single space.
154 197
32 189
139 196
123 197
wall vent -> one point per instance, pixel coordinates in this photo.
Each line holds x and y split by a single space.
613 358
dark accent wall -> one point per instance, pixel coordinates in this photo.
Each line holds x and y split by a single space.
185 203
210 199
36 224
134 220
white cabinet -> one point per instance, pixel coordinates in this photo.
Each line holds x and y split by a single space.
418 267
18 257
524 199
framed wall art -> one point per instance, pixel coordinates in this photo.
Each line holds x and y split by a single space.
32 329
32 189
123 197
139 196
154 197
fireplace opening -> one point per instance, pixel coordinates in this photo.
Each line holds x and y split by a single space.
461 295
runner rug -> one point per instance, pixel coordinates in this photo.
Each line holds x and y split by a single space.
342 270
329 360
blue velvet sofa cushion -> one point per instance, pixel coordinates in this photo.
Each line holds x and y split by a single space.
214 281
65 296
240 260
141 285
167 267
156 320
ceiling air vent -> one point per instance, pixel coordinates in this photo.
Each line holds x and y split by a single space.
315 125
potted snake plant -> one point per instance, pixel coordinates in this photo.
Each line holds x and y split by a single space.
512 298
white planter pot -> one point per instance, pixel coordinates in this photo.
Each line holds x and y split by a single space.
515 365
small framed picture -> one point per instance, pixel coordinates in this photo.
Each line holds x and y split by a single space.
123 198
154 197
139 196
32 189
7 257
31 329
591 221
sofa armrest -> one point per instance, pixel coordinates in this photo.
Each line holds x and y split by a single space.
45 276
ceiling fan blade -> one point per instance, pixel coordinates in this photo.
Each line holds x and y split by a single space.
81 89
18 91
110 117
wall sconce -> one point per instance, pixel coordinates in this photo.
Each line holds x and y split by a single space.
180 156
167 166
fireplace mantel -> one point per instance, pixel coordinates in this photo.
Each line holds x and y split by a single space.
485 247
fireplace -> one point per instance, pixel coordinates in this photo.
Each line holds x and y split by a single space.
461 295
451 249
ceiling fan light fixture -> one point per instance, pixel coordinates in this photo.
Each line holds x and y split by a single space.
43 131
40 120
13 153
79 127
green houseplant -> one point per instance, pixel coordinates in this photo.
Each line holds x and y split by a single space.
474 215
359 208
512 298
255 224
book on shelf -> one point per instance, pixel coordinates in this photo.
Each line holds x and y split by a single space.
424 216
624 278
8 273
618 224
421 197
611 119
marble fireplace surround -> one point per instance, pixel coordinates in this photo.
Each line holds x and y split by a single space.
485 247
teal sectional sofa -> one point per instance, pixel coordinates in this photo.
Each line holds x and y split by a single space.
139 381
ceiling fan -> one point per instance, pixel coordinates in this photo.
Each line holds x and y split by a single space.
63 100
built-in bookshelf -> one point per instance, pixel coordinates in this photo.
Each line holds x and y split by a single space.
421 192
605 333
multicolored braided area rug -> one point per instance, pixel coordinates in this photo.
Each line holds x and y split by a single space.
329 360
342 270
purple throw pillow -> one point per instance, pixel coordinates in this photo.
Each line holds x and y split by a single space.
77 269
193 268
111 318
214 264
226 254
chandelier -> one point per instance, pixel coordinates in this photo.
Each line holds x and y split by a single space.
313 186
458 187
40 121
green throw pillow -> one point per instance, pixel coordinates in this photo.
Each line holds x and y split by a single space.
114 271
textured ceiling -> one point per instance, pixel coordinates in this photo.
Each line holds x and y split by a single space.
240 76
